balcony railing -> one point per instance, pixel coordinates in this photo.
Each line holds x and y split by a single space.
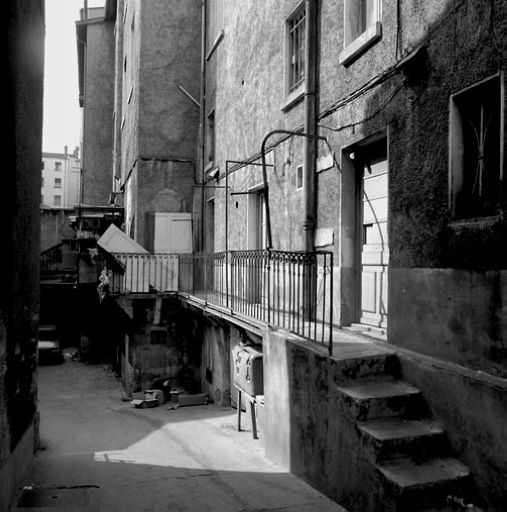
58 261
143 273
292 290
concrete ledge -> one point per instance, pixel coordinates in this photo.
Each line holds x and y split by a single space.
16 468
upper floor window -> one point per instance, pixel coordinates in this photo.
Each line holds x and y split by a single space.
475 153
58 183
361 28
299 177
58 166
296 48
210 138
58 201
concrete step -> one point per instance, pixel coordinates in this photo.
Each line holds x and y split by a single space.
396 437
415 485
383 398
355 363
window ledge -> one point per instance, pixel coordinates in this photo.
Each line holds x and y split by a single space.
488 220
294 97
215 44
360 44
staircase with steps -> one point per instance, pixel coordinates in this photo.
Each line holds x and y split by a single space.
414 467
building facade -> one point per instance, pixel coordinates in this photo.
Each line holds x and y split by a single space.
61 179
369 135
22 58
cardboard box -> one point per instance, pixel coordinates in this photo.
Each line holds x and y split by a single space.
185 399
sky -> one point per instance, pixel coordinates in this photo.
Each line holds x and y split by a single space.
62 116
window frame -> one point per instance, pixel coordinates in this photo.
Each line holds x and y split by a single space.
455 171
356 47
58 183
294 92
59 202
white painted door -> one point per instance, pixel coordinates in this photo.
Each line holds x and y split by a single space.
375 248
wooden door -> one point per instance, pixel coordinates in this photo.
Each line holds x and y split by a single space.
375 248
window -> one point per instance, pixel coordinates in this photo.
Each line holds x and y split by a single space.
42 182
43 164
296 49
261 235
41 198
210 137
475 155
58 200
58 166
361 27
58 183
299 177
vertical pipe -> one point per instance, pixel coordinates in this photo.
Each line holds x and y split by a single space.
310 142
203 114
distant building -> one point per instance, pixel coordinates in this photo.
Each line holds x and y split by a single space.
60 179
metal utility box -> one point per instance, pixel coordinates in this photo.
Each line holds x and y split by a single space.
248 370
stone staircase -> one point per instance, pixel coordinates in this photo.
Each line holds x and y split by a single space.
413 464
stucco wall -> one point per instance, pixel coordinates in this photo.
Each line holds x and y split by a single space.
161 49
98 114
22 59
410 105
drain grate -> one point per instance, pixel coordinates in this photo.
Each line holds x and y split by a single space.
32 498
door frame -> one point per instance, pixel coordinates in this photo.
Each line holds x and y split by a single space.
351 228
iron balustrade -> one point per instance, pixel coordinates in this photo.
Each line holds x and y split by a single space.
57 261
290 290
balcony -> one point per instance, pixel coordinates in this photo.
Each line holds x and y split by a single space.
289 290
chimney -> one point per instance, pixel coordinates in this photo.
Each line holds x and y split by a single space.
66 150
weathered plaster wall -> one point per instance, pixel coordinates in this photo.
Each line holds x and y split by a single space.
22 59
463 44
161 49
170 55
473 408
98 113
130 72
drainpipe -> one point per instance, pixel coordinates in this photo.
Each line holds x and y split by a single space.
203 115
310 142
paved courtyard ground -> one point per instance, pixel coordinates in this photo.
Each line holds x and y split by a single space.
101 454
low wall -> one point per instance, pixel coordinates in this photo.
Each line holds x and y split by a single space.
306 431
472 406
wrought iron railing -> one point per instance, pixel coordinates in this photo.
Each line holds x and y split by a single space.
291 290
57 261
